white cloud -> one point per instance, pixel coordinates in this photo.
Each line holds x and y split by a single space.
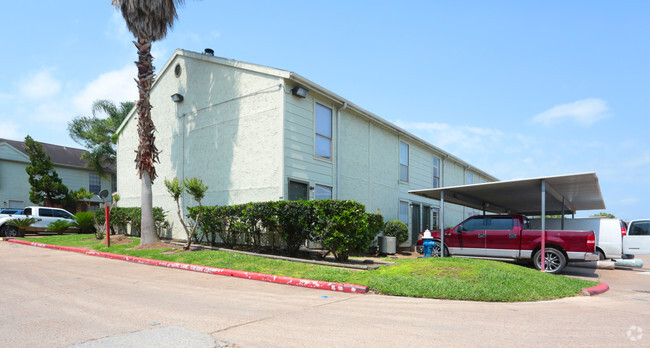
6 96
585 112
39 85
116 86
10 130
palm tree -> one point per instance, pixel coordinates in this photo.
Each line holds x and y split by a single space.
148 20
98 134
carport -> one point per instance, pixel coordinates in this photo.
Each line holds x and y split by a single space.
562 194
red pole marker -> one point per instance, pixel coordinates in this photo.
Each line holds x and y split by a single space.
108 230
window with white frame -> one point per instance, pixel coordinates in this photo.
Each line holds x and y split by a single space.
436 172
403 161
470 178
434 219
323 131
95 184
404 212
322 192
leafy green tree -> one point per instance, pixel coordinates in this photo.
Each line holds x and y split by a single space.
148 20
46 186
604 214
98 135
195 188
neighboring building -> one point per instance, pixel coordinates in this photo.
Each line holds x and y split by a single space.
254 133
14 184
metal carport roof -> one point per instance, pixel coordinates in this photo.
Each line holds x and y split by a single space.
563 193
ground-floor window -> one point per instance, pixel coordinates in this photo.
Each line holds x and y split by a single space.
298 191
322 192
404 212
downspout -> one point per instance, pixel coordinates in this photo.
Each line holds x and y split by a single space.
338 149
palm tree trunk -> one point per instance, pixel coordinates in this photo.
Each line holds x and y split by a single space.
147 153
148 227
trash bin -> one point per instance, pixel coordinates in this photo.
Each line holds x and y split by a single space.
387 245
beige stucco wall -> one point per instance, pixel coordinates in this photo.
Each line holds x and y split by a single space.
14 184
227 132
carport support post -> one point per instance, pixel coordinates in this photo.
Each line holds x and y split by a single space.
442 223
543 256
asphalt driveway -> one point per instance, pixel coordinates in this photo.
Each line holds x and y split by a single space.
54 298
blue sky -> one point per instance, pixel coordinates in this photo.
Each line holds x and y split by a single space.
516 88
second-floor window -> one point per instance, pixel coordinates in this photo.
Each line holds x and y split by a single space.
470 178
436 172
95 184
323 131
403 161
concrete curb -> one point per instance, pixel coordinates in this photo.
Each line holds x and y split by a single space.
306 283
595 290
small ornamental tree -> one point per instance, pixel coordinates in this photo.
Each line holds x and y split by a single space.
195 188
46 186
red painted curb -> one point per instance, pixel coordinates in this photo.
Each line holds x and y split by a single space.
596 290
307 283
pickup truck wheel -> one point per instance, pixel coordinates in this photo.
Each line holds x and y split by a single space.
436 250
554 262
11 231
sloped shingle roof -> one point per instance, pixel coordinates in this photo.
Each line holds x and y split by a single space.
60 155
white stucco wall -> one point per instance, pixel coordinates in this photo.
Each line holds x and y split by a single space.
226 132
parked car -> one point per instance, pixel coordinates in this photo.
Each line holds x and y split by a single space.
510 236
637 240
609 233
9 211
43 215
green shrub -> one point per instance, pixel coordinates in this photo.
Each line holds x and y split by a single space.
375 223
294 222
121 216
342 227
85 222
59 226
395 228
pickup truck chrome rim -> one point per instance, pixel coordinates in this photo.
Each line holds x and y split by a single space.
11 231
553 261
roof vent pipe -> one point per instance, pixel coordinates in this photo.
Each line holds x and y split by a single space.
209 52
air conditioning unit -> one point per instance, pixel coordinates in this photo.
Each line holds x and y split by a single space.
387 245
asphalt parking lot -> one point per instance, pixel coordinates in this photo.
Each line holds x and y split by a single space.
55 298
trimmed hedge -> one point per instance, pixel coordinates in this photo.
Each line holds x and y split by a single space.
122 216
341 226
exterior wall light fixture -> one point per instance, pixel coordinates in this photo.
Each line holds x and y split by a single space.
299 92
177 98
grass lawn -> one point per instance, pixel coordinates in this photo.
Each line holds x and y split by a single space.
443 278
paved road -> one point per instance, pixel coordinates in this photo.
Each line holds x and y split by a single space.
53 298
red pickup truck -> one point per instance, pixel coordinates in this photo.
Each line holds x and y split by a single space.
510 236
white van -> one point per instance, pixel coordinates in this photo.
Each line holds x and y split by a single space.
637 240
609 233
